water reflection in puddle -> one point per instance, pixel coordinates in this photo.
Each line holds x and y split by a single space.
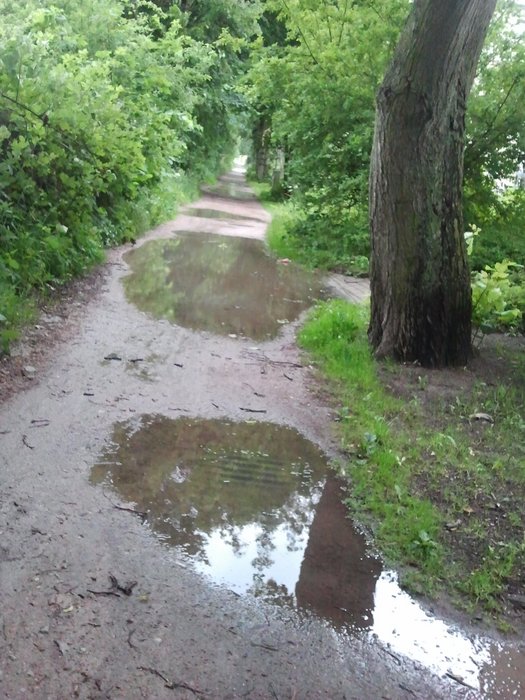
230 188
216 214
223 284
252 506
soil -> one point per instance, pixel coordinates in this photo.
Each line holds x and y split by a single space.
440 395
94 605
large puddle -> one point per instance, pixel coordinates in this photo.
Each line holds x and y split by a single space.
223 284
255 507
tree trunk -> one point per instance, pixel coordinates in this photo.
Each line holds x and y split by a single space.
420 281
261 141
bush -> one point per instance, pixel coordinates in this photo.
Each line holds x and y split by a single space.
498 297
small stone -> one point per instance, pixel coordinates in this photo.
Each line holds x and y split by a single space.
29 371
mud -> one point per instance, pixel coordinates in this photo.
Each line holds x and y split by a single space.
70 549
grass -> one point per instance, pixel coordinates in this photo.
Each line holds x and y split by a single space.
441 490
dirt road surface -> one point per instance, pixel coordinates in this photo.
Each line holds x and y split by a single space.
94 604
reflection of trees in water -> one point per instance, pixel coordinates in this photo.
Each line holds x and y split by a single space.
270 591
217 283
257 486
196 478
338 577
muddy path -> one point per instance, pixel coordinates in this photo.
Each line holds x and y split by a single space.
118 546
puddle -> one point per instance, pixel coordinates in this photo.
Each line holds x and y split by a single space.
216 214
251 505
254 507
230 188
223 284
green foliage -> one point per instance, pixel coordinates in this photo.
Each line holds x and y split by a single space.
495 137
286 240
501 222
487 582
498 292
225 26
315 91
496 141
331 332
312 87
497 299
103 105
405 525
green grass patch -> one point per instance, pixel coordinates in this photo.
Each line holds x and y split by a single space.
440 489
404 524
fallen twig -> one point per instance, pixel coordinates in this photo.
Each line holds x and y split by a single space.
140 513
127 588
459 680
268 647
256 393
116 588
40 422
265 358
110 592
131 633
253 410
24 440
394 656
172 685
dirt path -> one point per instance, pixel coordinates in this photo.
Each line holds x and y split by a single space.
65 631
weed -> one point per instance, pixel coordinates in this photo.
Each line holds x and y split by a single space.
486 582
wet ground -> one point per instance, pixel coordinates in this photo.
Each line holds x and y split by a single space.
170 525
227 285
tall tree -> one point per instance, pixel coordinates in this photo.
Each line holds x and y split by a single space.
421 299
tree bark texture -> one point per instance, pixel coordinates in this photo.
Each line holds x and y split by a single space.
261 144
420 281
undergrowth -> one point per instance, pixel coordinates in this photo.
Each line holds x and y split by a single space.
440 485
31 268
311 242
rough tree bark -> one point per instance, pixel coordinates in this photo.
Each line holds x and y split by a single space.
261 144
420 283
